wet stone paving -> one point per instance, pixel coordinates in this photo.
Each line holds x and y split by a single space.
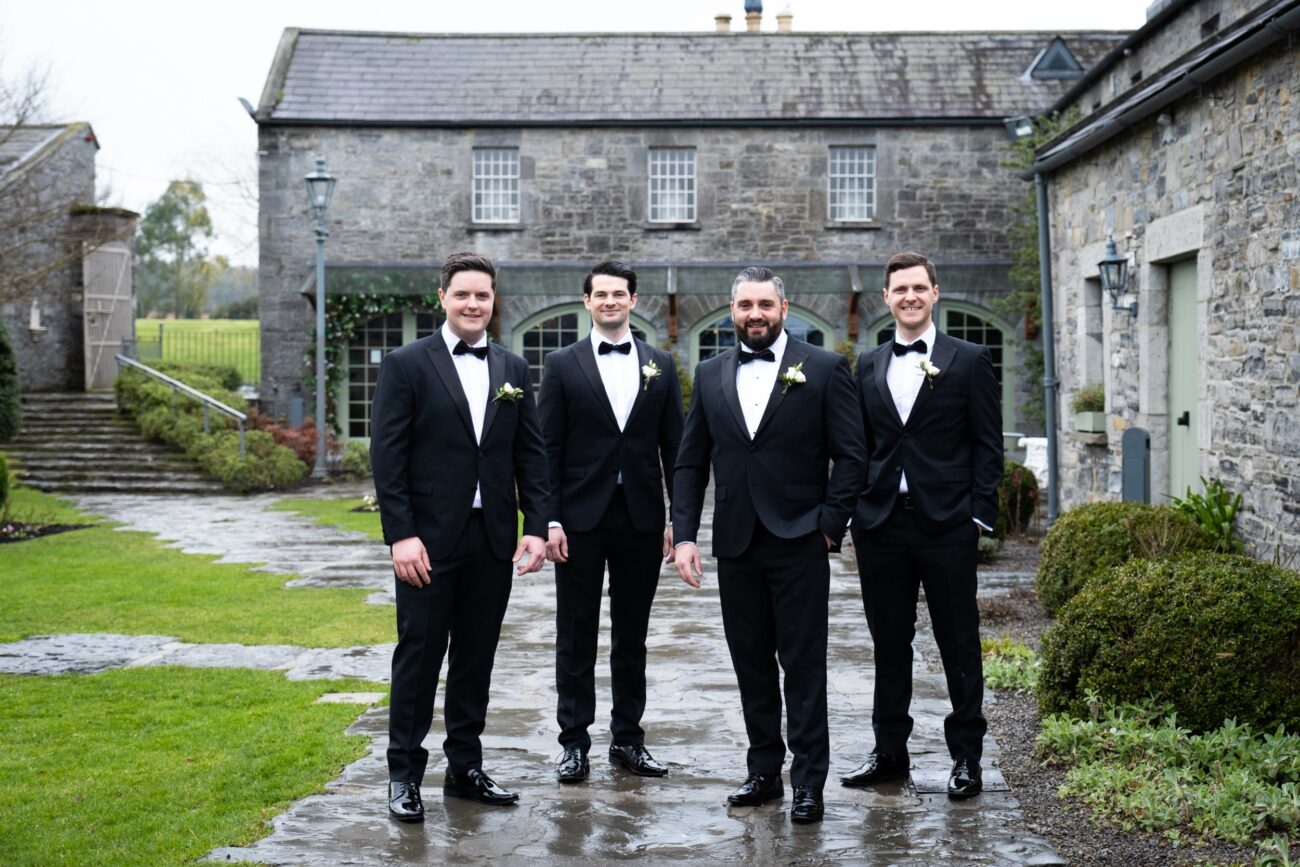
693 724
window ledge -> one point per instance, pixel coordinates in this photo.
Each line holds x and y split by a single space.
1089 439
495 227
854 225
671 227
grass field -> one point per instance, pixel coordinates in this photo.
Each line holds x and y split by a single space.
233 342
104 580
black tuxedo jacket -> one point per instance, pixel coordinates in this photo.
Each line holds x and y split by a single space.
426 461
585 450
951 446
780 476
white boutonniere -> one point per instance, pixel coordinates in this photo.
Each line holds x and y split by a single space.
792 376
508 392
649 372
929 370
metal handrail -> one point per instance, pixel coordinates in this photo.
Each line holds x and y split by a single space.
179 387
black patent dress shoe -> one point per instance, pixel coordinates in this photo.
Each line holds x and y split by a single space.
757 790
404 802
477 786
967 779
879 768
573 766
807 806
637 759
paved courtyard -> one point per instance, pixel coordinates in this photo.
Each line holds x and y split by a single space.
693 724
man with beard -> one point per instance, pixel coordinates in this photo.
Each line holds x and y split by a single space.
612 417
771 415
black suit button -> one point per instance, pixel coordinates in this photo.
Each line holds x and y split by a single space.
480 453
899 470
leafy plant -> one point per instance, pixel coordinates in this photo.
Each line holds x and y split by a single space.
4 485
1017 499
1090 398
11 413
1009 664
355 462
1215 510
1211 635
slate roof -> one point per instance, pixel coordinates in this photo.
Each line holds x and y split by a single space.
23 143
340 78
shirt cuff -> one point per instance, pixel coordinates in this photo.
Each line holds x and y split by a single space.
553 524
983 525
680 544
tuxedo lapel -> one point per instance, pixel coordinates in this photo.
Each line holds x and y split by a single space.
944 352
795 353
496 378
881 367
586 353
642 387
729 393
440 355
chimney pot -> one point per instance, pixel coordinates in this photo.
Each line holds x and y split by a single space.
785 21
723 23
752 21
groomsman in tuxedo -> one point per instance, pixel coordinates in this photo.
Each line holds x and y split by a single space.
931 406
453 436
611 412
771 415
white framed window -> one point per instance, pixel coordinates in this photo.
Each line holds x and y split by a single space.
496 185
672 185
851 184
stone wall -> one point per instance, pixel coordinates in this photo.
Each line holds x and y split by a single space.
52 359
404 196
1215 179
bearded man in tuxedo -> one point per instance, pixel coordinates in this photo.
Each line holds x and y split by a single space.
777 420
453 436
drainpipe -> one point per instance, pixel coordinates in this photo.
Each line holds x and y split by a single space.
1049 347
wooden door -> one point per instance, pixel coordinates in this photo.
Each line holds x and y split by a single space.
1184 388
108 310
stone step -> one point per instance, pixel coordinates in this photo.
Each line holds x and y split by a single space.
72 434
98 474
164 462
89 448
94 399
108 486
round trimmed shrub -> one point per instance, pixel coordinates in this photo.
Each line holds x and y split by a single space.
1215 635
4 483
1017 499
1089 539
11 413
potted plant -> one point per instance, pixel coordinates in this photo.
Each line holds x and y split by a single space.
1089 405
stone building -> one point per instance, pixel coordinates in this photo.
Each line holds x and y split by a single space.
688 155
65 265
1186 153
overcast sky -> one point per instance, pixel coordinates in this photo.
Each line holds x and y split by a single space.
159 80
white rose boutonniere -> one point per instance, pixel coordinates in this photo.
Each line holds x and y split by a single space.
649 372
793 376
929 370
508 392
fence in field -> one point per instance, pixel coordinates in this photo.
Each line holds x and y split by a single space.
240 350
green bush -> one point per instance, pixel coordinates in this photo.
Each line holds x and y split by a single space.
1216 636
1216 510
4 484
11 412
356 460
1090 398
1017 499
263 467
1087 540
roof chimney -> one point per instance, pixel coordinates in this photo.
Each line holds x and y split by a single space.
753 15
723 22
785 21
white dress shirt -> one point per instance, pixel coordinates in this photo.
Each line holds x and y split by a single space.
473 373
755 381
620 374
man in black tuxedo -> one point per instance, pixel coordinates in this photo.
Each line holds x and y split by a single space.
771 414
932 410
453 435
611 411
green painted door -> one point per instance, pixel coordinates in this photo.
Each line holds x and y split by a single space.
1184 460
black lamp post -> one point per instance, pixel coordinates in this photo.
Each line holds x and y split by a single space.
1113 269
320 190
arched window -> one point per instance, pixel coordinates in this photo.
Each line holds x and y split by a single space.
381 335
716 332
976 325
556 328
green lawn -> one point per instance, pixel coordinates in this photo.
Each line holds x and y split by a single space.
160 765
105 580
233 342
339 513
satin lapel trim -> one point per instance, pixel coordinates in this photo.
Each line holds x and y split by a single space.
944 352
881 363
440 355
587 361
729 393
496 378
794 354
642 359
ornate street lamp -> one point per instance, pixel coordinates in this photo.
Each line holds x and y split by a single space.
320 190
1113 269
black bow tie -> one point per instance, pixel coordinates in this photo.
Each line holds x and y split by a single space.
900 350
761 355
622 348
479 352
